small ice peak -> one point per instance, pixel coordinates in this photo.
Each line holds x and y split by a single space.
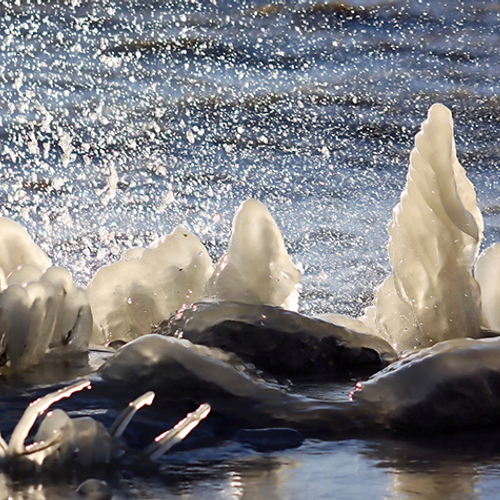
256 268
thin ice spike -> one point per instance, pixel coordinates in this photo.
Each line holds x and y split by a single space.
165 441
44 446
120 424
36 408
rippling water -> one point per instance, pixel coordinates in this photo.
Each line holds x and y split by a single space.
120 120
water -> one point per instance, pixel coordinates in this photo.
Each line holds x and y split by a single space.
121 120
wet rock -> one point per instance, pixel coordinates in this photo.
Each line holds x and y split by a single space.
281 342
265 440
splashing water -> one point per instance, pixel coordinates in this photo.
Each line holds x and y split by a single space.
122 121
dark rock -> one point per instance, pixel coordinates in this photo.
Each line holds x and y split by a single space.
281 342
265 440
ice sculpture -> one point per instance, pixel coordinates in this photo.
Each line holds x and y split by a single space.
41 310
256 268
487 273
27 319
434 238
146 286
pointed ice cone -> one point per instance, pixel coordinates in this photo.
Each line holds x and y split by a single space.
434 238
256 268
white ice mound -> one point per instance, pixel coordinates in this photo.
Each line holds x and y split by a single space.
128 298
256 268
41 310
17 248
434 238
487 273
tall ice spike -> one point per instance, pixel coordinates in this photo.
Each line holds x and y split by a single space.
434 237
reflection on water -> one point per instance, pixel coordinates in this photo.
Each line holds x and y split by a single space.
387 468
462 467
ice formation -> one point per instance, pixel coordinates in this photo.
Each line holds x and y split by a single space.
430 296
176 366
39 310
146 286
73 323
435 233
17 248
256 268
61 440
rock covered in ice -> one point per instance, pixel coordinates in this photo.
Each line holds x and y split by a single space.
18 248
435 233
147 285
454 384
39 310
487 273
167 364
85 440
281 342
256 268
